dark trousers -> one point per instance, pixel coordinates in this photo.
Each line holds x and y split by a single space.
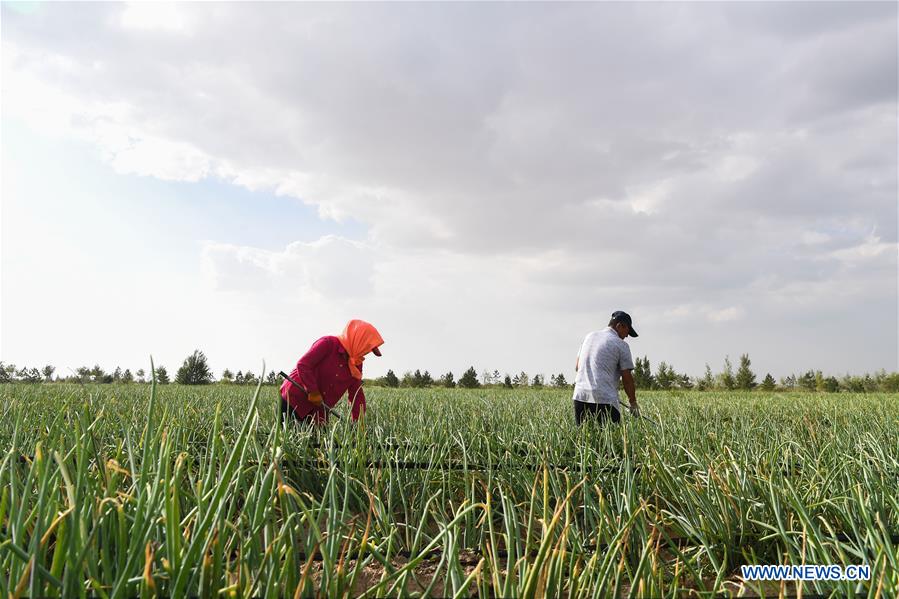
287 412
598 411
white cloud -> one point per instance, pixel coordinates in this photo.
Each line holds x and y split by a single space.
160 158
151 16
734 168
330 268
727 314
871 248
814 237
528 159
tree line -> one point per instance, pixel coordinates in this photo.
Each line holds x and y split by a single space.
666 377
195 370
469 380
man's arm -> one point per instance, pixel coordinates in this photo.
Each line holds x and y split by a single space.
627 379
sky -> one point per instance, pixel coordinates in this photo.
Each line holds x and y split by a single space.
486 183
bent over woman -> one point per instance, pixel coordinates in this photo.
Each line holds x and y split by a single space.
331 367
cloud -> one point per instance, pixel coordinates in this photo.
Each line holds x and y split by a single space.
727 314
160 158
563 157
870 250
330 268
164 16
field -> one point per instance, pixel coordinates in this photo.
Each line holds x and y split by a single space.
120 491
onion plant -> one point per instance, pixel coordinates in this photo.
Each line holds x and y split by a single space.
118 491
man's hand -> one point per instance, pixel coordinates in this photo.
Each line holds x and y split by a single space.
315 398
627 379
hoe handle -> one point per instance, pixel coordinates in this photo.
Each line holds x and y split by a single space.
323 405
641 416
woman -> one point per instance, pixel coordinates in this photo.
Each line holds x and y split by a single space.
331 367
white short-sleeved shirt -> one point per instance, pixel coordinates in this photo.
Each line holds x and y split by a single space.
602 357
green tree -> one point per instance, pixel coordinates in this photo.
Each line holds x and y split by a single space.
643 378
890 383
707 381
30 375
469 379
538 381
162 375
127 377
819 381
869 383
140 375
768 383
830 384
684 381
665 376
727 375
84 374
507 382
426 379
48 373
852 384
195 370
560 380
807 381
98 375
447 380
271 378
238 378
117 374
227 376
390 380
745 378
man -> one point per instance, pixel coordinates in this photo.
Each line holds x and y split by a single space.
331 367
603 359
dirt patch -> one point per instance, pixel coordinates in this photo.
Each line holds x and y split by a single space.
418 580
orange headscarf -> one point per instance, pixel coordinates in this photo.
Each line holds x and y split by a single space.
359 338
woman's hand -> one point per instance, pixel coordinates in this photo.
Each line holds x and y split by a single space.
315 398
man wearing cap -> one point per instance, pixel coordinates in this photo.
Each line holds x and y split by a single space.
604 358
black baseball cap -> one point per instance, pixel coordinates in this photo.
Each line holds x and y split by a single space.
624 317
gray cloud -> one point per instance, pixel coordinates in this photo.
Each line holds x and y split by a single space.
654 153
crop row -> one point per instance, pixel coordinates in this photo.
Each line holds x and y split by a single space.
117 492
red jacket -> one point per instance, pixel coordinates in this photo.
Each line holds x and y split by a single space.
325 369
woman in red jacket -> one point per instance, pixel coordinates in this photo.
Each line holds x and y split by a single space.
331 367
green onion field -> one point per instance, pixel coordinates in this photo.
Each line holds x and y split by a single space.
127 490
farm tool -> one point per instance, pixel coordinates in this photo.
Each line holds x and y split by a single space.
642 417
322 405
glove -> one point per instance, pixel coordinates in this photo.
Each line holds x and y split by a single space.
315 399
